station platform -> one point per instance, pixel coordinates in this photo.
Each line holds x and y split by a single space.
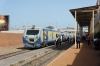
85 56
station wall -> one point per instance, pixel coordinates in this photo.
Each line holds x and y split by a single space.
10 39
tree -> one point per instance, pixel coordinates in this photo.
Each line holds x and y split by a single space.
50 27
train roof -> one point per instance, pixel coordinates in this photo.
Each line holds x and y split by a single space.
48 29
51 30
30 28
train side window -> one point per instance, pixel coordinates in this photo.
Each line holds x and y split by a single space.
56 35
52 35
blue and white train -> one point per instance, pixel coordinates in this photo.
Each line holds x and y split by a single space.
35 37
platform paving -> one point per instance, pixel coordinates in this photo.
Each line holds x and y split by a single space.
85 56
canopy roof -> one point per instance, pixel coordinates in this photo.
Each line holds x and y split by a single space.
84 15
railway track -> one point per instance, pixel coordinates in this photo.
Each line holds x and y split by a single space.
13 54
47 58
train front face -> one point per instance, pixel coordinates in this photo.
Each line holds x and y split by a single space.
31 38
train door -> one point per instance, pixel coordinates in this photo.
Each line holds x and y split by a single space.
45 35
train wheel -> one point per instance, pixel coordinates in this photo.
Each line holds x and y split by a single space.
42 45
29 48
55 43
25 47
48 44
45 44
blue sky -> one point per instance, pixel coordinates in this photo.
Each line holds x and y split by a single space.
41 12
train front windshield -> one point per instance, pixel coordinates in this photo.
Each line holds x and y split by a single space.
32 32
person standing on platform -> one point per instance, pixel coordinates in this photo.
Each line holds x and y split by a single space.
88 39
78 38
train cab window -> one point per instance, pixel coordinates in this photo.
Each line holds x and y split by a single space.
32 32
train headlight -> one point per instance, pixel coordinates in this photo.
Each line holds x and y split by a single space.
26 36
36 36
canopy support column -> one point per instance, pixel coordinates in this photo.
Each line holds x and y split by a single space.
93 23
75 28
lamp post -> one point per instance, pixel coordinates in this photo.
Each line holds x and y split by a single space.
22 26
69 25
27 24
15 27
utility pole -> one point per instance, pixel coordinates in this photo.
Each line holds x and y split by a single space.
22 26
27 24
15 27
69 30
56 25
69 25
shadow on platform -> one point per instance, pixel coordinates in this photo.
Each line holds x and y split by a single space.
87 56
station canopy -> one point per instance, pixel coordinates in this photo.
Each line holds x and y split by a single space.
84 15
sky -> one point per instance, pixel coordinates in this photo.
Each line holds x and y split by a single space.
41 13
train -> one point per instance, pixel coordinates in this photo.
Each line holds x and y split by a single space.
36 37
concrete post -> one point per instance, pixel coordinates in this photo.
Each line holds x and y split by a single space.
81 31
93 24
89 29
75 28
92 28
98 4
